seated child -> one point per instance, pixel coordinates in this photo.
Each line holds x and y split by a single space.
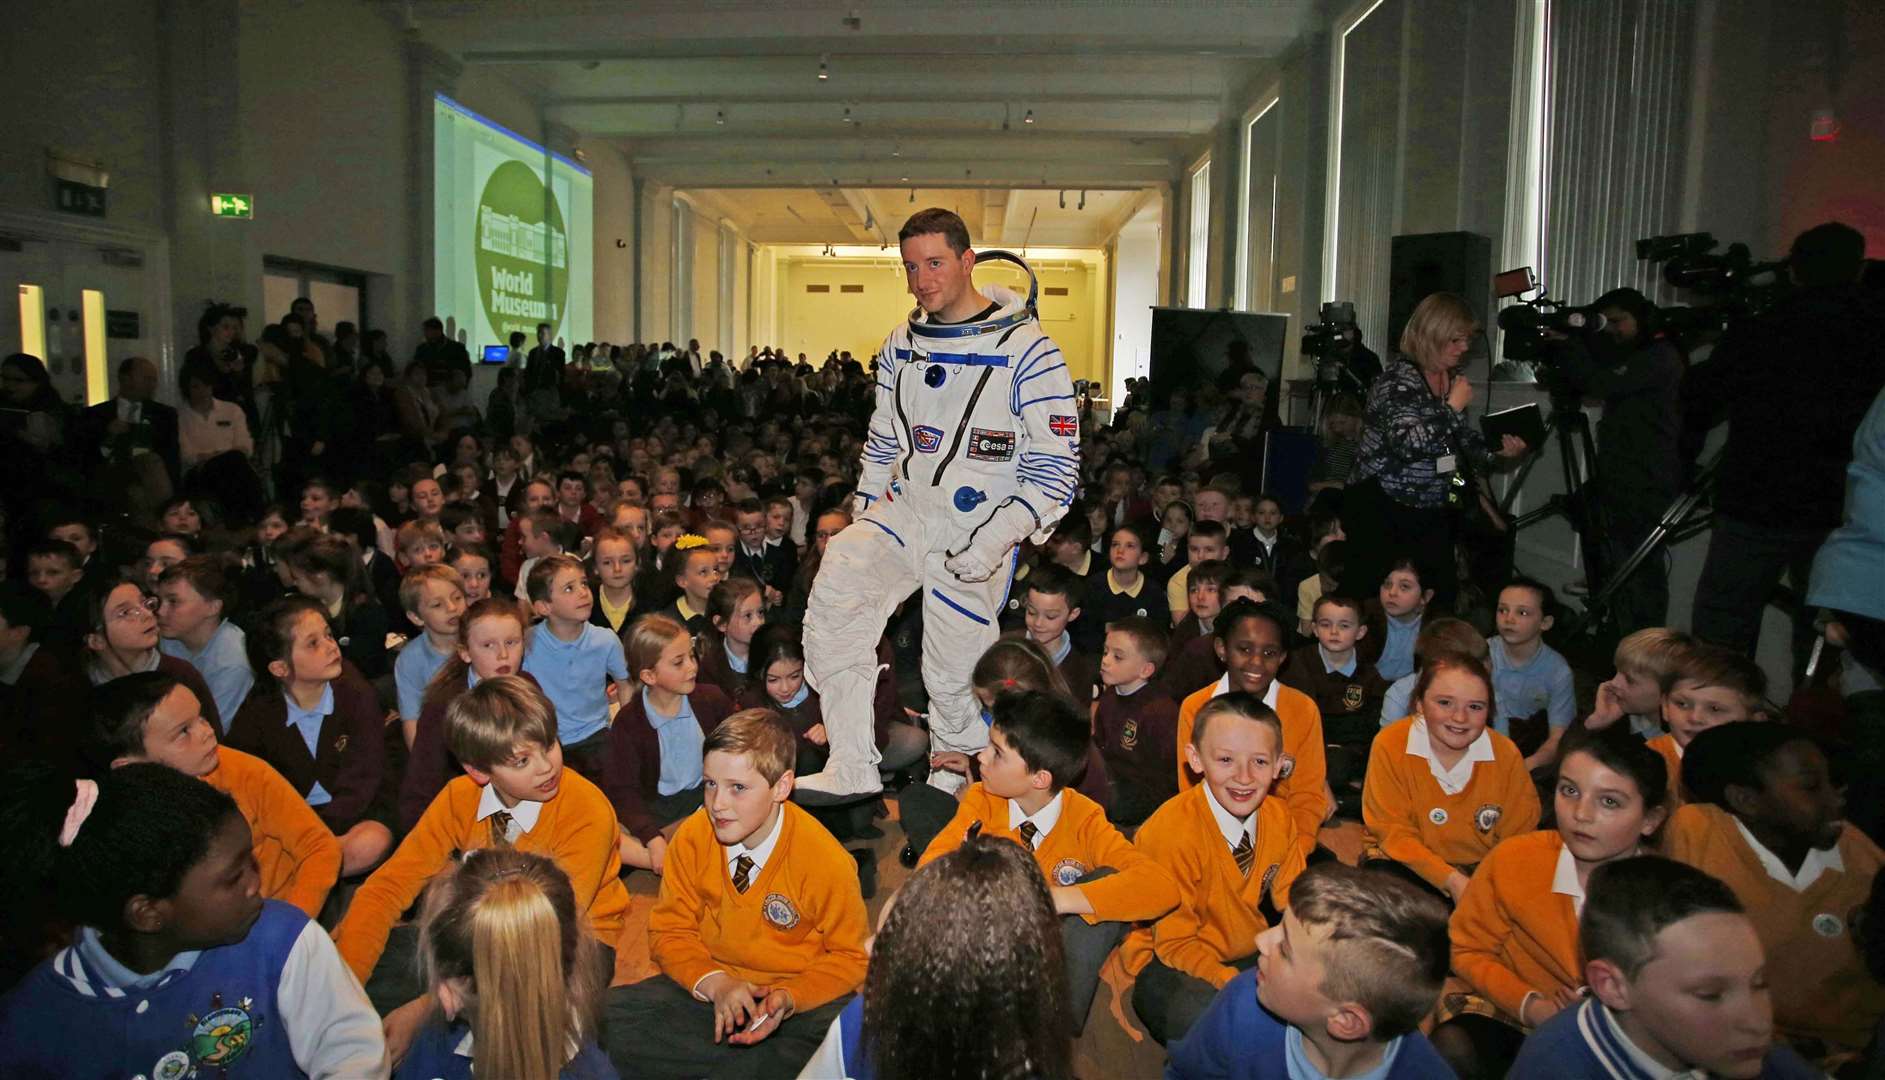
1249 639
544 534
166 551
1710 686
419 542
1037 743
936 972
1233 853
378 568
775 679
615 561
1125 588
179 965
759 929
1346 688
54 569
491 636
1135 722
317 722
1645 661
1765 819
515 794
123 641
1515 930
433 598
1404 601
319 499
576 662
1196 664
1652 932
1339 990
1443 635
65 523
198 594
1331 563
696 571
328 570
1207 541
474 566
152 716
1443 788
462 524
653 775
1051 605
529 1010
538 495
1532 679
736 609
1204 590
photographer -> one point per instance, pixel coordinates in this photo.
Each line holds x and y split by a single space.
1637 374
1793 384
1415 438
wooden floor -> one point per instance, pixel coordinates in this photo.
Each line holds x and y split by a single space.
1113 1046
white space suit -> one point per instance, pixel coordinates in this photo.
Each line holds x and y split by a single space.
974 446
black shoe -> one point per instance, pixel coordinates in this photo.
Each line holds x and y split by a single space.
907 856
866 872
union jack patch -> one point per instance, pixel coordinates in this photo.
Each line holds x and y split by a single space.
1064 426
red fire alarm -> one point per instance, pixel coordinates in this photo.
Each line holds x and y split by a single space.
1825 126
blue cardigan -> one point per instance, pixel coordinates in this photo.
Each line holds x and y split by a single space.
1237 1039
434 1056
1584 1044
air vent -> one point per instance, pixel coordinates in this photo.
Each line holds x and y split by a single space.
1055 290
817 288
850 288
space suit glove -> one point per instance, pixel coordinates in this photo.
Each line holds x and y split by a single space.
988 546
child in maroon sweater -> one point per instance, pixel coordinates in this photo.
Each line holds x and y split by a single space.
1135 721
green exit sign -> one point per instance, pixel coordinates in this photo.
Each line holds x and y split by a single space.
236 206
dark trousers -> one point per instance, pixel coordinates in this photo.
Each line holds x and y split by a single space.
590 757
1087 945
1379 529
666 809
924 811
1744 565
655 1029
1169 1001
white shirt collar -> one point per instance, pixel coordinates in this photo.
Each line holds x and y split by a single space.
763 851
1644 1066
1454 780
1564 880
1234 831
1044 819
1818 861
1223 687
523 816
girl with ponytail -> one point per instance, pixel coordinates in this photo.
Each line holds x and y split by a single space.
516 973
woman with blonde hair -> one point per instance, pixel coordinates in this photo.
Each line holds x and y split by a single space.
1416 442
516 974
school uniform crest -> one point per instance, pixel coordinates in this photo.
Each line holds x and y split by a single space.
1486 818
218 1039
1351 697
1129 735
1069 871
1285 764
1828 925
1437 815
340 745
780 911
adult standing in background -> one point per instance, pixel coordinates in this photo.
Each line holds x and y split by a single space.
544 365
1415 443
128 445
440 354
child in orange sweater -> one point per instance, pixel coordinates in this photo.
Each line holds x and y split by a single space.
759 930
151 716
1037 745
1443 789
1766 820
515 793
1232 852
1514 933
1251 640
1708 687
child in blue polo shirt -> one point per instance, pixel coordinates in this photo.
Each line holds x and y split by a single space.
1529 677
1339 990
434 601
574 660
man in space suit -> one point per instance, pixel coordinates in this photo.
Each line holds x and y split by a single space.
974 447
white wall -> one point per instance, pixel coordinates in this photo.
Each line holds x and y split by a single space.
1135 292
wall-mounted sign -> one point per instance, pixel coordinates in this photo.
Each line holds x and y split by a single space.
76 198
234 206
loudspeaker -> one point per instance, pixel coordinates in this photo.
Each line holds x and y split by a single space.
1425 263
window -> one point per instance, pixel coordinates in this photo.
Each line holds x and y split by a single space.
338 295
681 275
1256 252
1364 166
729 251
1197 261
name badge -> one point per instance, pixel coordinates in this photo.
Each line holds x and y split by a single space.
1446 463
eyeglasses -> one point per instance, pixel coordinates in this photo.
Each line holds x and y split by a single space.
148 605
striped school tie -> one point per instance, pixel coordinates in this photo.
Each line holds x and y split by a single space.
1245 854
742 872
500 829
1029 831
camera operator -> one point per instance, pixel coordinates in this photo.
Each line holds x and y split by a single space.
1415 437
1637 374
1793 384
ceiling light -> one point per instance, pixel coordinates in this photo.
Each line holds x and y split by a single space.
847 115
905 179
1029 118
720 117
824 68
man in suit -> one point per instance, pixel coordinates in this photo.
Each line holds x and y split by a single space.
544 366
130 442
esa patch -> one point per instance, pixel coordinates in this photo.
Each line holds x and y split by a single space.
989 445
928 439
1063 426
